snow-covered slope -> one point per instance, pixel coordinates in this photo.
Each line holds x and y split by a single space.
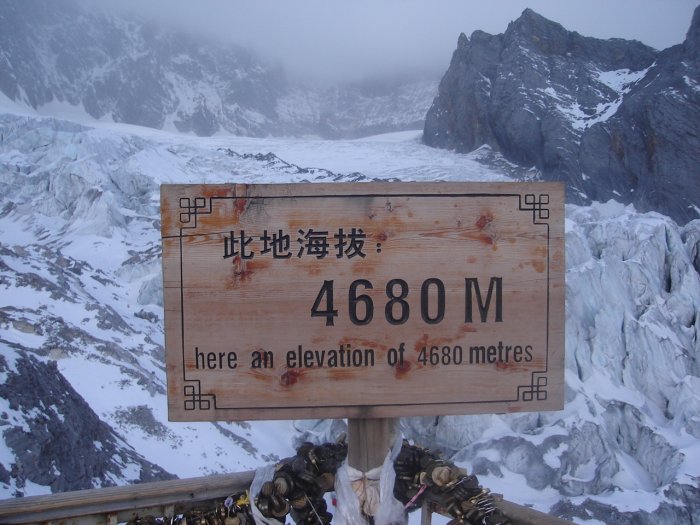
81 345
628 437
81 287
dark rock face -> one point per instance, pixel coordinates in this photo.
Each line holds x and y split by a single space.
64 445
651 146
611 118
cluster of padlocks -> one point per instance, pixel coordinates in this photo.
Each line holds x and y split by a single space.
423 476
299 484
235 510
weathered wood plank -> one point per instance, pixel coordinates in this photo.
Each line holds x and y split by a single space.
369 441
522 515
358 300
116 499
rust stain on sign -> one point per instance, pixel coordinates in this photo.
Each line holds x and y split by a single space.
342 300
291 377
484 220
401 370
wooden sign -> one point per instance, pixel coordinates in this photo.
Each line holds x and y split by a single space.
362 300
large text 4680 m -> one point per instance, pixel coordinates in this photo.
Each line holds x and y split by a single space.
397 310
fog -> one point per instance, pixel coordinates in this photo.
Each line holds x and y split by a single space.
352 39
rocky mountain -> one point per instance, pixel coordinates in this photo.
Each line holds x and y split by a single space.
612 118
58 57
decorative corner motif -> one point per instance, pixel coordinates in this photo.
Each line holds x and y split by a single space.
536 390
193 208
195 400
537 204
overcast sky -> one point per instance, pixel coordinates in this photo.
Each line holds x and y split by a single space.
354 38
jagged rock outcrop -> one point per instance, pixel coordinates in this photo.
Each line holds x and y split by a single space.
649 150
60 443
612 118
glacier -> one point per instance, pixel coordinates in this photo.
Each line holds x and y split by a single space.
82 345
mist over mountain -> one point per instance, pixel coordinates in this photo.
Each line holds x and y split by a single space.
60 57
82 377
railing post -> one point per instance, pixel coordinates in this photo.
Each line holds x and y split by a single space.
426 513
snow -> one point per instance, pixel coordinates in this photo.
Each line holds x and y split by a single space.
140 159
10 106
539 499
97 382
67 111
632 292
620 81
552 458
22 338
632 476
36 490
692 83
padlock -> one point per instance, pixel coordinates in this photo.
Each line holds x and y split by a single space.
325 481
283 484
279 507
267 489
299 503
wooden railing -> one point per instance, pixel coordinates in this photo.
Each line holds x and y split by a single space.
112 505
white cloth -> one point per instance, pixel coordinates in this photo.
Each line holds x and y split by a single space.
371 493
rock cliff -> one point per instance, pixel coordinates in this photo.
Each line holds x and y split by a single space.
612 118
